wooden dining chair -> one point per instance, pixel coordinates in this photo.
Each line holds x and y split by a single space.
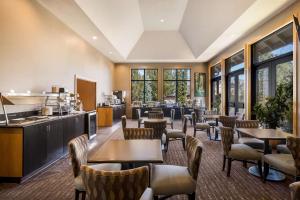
203 126
156 110
177 134
172 118
155 115
295 191
169 180
124 121
239 152
159 128
138 133
129 184
78 149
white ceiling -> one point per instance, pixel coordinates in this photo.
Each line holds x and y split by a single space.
163 30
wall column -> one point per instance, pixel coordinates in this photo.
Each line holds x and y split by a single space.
223 86
247 71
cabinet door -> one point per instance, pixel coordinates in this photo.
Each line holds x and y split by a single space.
79 125
68 132
35 148
54 140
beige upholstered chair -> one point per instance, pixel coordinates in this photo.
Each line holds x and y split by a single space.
177 134
159 128
245 139
287 163
124 121
282 148
78 148
155 115
168 180
172 118
225 121
183 115
295 191
200 126
240 152
138 133
129 184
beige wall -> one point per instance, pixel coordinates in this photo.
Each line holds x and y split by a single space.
122 77
38 51
270 26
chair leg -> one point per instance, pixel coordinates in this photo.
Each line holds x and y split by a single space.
245 164
224 163
229 160
192 196
194 132
155 197
83 194
259 164
208 132
266 171
77 194
183 143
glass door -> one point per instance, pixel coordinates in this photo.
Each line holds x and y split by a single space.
235 93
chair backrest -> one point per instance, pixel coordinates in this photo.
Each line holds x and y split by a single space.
124 121
227 139
172 114
295 190
240 115
78 148
138 112
293 144
194 152
184 125
211 112
138 133
155 115
246 124
156 109
194 118
158 128
228 121
115 185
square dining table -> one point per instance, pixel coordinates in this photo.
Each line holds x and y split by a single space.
128 151
266 135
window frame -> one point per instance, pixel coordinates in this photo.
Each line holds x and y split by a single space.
176 80
144 80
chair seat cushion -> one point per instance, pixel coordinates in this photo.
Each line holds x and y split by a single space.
243 152
211 123
175 133
171 180
202 126
105 166
282 162
252 142
282 148
147 195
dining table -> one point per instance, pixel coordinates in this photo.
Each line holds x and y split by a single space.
266 135
128 152
167 119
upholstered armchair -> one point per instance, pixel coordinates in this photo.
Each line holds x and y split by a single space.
295 191
129 184
155 115
286 163
138 133
124 121
245 139
239 152
169 180
78 148
200 126
177 134
159 128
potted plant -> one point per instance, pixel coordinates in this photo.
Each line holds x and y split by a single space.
217 103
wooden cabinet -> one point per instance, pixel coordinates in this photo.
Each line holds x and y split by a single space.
105 116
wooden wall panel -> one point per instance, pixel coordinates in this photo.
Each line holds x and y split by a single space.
87 91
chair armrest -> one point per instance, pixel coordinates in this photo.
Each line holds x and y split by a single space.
147 195
295 190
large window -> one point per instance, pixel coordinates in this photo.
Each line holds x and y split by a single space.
273 63
216 87
177 84
235 83
144 85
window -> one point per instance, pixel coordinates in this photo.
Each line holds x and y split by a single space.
177 84
235 83
216 87
144 85
273 63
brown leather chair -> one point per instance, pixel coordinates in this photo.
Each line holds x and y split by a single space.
138 133
177 134
169 180
129 184
239 152
78 148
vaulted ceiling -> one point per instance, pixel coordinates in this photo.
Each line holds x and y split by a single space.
163 30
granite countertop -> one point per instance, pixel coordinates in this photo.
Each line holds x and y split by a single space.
39 121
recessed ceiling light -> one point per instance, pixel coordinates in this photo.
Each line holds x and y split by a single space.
162 20
110 52
95 37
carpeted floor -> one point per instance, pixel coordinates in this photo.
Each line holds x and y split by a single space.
57 181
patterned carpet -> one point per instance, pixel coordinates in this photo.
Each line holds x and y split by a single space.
57 181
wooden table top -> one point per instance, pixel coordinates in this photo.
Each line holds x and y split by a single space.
167 119
259 133
211 116
128 151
